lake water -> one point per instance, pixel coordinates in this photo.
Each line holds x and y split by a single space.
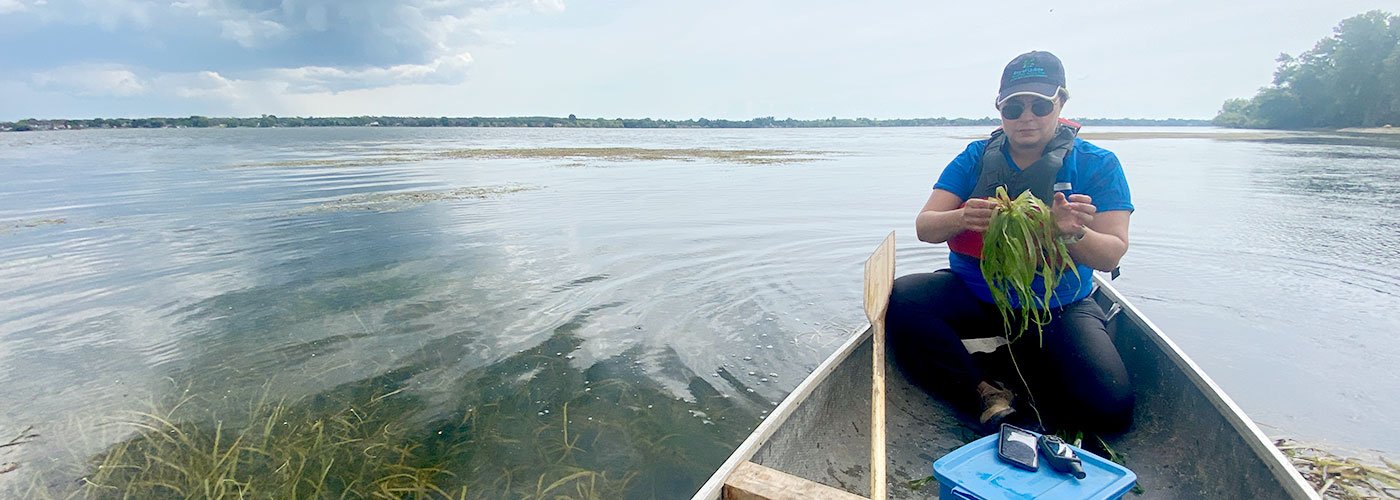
623 319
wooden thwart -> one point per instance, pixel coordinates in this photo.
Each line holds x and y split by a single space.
879 280
751 481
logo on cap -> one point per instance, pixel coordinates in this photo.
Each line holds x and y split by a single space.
1028 70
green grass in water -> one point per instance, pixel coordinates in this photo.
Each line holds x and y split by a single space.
1019 245
533 425
279 450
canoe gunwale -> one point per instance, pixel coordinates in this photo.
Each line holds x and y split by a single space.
1286 475
713 486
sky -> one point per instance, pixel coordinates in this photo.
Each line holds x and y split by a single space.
660 59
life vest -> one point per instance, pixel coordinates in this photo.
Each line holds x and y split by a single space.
995 171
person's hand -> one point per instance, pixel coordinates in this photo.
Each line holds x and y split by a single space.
1072 214
977 214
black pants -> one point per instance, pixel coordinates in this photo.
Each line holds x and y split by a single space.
1076 379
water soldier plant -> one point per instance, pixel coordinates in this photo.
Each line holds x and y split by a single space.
1020 244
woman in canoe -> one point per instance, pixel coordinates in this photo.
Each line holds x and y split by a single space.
1073 377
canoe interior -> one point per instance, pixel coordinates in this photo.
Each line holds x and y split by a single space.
1180 445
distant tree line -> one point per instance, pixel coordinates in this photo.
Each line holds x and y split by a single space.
1349 79
267 121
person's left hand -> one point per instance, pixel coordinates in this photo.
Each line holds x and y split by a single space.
1072 214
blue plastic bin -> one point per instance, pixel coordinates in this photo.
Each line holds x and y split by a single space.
974 472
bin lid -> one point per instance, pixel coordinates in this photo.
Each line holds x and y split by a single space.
974 471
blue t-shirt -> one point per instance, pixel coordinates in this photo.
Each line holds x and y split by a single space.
1089 169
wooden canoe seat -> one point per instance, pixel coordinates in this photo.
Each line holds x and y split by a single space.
751 481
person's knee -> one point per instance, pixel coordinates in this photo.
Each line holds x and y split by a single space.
905 296
1099 405
917 291
1111 410
908 287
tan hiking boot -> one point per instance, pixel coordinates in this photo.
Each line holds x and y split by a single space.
996 403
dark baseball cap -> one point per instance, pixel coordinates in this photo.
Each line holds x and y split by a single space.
1036 73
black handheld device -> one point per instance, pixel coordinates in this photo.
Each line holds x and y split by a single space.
1017 446
1060 456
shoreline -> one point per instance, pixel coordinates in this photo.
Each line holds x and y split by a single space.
1245 134
1387 130
1091 132
271 121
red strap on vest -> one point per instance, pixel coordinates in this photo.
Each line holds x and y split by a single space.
968 243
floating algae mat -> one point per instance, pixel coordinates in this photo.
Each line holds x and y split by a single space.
741 156
338 162
746 156
30 224
403 200
1020 245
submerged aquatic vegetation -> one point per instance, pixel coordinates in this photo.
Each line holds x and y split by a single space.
535 424
278 449
1020 245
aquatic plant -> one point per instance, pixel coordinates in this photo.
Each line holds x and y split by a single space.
1020 245
1340 477
278 449
538 423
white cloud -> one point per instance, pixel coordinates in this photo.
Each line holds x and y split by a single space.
109 14
374 31
251 33
311 79
200 85
725 59
258 51
547 5
8 6
91 81
261 91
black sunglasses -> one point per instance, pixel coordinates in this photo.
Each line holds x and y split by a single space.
1013 109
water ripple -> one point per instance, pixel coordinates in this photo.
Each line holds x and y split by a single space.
691 282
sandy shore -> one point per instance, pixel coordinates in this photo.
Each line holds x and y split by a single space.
1371 130
1230 135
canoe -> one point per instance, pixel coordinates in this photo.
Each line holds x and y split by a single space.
1188 439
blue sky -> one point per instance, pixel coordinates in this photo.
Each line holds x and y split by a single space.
632 58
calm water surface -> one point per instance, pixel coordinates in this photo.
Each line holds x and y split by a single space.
652 311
